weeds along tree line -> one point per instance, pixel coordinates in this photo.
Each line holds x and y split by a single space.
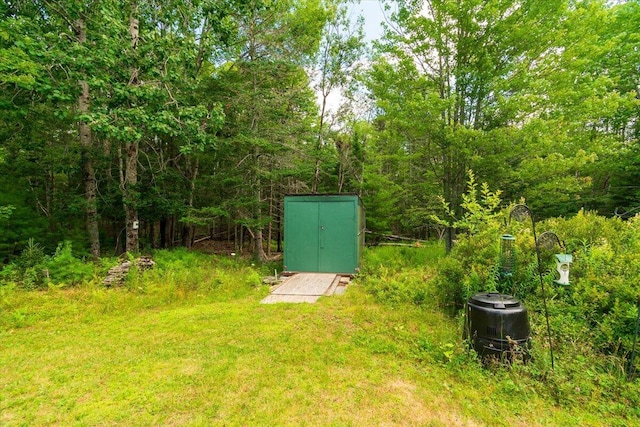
593 320
145 124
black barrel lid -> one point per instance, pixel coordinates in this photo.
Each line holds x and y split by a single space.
494 300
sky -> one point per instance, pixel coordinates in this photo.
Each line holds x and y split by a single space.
373 15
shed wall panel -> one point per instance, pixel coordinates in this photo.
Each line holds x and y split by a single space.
323 233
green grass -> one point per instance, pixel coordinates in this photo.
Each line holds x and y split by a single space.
190 345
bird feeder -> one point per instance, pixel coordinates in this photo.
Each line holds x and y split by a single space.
507 255
563 262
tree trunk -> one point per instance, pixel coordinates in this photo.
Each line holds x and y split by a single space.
130 197
186 236
235 238
342 149
190 228
116 231
86 144
154 237
319 144
278 227
270 228
163 232
172 231
450 235
261 254
259 230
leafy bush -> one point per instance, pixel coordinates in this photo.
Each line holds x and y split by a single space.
472 264
65 269
599 308
34 269
604 291
29 268
592 320
396 275
450 286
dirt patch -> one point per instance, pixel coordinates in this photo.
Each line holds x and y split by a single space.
419 411
225 247
214 247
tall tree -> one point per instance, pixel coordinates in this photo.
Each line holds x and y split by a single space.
269 102
86 143
568 113
617 175
453 84
54 33
121 70
337 65
132 146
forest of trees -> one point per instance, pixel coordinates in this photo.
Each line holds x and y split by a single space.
145 124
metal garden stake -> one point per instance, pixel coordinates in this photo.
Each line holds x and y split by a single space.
631 368
520 213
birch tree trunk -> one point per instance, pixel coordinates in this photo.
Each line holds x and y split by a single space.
130 198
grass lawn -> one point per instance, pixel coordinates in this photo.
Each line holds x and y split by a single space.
216 356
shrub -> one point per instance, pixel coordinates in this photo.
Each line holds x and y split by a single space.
397 275
471 266
34 269
450 283
599 308
28 269
65 269
604 289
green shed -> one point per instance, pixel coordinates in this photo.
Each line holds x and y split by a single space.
323 233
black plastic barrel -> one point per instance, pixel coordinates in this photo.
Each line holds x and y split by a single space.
497 325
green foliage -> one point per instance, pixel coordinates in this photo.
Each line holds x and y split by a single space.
471 267
32 256
585 376
203 216
593 317
400 275
596 313
192 320
478 210
29 267
382 198
6 211
538 99
20 222
34 269
64 268
604 291
182 275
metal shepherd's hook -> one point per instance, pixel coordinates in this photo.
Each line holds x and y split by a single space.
631 367
520 213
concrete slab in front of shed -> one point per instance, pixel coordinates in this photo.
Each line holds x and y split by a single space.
301 287
306 284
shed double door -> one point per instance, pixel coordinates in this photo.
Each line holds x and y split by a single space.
322 236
